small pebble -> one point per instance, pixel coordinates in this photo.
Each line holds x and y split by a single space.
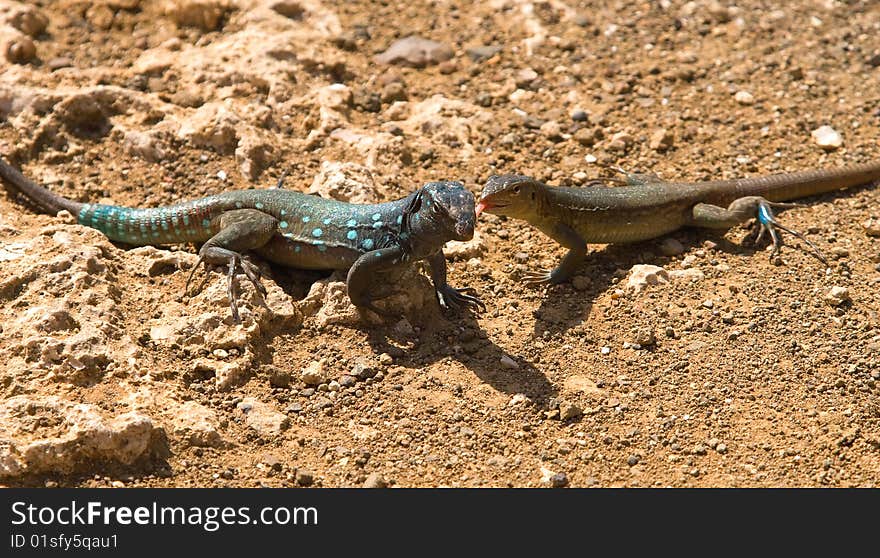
347 381
375 480
744 98
304 477
671 247
827 138
559 480
509 363
872 227
837 296
579 115
569 411
661 140
580 282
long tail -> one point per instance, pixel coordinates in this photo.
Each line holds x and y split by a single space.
192 221
791 186
43 197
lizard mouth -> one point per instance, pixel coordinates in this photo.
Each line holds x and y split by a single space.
484 205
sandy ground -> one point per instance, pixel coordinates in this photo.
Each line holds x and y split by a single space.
738 371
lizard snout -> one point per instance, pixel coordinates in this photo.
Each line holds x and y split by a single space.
464 229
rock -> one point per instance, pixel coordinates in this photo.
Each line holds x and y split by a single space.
551 130
671 247
362 371
579 115
872 227
525 77
375 480
644 337
59 62
586 137
661 140
20 50
213 126
344 181
226 374
187 97
744 98
207 15
143 145
385 359
28 20
403 328
347 381
569 411
559 480
48 434
279 378
466 249
195 425
291 9
336 96
632 460
643 275
304 477
481 53
620 141
394 92
827 138
837 296
399 110
509 363
581 283
315 373
415 52
253 155
366 100
263 418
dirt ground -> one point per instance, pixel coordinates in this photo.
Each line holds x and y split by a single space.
741 372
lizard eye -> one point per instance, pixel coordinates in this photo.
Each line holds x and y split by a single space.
516 190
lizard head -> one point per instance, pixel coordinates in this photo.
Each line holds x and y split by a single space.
513 195
447 206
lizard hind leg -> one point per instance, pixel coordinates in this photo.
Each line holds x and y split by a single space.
749 207
241 230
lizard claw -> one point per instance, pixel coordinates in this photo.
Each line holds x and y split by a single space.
195 268
456 299
254 275
768 223
539 277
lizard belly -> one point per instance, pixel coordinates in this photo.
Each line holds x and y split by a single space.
290 252
633 227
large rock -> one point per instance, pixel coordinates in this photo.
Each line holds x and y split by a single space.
263 418
41 434
195 425
348 182
415 52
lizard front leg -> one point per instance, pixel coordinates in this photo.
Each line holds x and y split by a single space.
240 230
447 295
368 275
745 208
577 253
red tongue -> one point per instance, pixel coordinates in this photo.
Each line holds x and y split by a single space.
482 206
